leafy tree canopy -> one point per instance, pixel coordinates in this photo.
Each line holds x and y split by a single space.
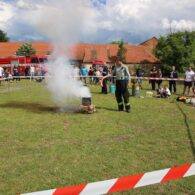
3 37
176 49
118 42
121 50
26 50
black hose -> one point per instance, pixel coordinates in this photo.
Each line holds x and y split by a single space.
188 130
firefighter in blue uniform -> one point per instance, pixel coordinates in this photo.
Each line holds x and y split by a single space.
123 79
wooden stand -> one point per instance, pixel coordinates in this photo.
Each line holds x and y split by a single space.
90 109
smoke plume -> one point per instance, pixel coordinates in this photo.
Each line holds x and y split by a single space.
64 22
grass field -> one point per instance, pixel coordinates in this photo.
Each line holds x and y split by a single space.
42 149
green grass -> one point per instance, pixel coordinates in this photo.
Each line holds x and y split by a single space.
42 149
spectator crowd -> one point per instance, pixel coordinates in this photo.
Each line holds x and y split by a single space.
95 73
155 79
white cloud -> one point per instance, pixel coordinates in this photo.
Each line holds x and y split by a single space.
181 25
6 13
115 18
125 10
144 14
26 4
148 17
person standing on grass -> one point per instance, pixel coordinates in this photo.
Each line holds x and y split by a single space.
32 71
188 79
153 74
173 75
122 84
84 73
1 73
98 74
193 84
91 74
159 75
16 73
139 74
105 73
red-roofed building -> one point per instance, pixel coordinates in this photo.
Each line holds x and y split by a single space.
9 48
150 43
87 53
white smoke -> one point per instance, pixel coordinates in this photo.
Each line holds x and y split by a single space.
64 22
64 83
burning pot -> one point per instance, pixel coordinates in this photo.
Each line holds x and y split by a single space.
87 106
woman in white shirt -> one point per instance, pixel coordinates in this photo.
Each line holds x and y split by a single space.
1 74
188 79
193 85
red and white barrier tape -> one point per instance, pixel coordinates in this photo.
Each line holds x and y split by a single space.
123 183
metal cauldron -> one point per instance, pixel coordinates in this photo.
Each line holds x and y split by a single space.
86 101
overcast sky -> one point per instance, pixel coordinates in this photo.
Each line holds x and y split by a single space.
94 21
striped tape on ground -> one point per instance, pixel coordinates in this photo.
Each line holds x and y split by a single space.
123 183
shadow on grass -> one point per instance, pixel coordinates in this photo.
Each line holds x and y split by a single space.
96 92
106 108
188 130
32 107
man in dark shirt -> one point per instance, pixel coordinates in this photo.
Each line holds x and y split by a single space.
153 74
139 74
172 83
105 73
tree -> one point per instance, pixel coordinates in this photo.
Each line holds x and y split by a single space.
26 50
176 49
121 50
118 42
3 37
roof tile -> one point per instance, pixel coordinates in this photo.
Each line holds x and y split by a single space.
87 52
